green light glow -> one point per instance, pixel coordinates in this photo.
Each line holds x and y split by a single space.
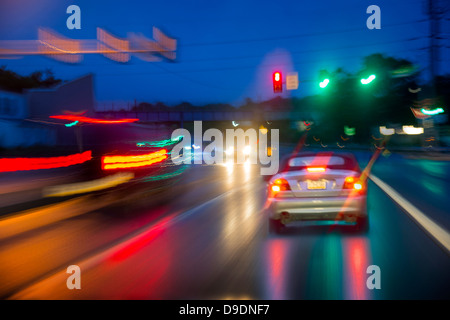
166 175
324 83
177 138
71 124
160 143
369 79
349 131
432 112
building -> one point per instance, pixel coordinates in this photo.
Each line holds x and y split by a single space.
24 118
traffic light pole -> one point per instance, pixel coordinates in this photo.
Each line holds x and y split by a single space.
434 50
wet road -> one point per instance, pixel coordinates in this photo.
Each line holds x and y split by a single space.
208 239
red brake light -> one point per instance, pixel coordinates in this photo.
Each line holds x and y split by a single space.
276 188
349 180
279 185
352 183
315 169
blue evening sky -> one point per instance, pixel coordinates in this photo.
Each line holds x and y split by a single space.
227 50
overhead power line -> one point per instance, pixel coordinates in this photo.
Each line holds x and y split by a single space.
292 36
272 65
309 50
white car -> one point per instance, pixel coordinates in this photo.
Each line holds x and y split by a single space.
318 186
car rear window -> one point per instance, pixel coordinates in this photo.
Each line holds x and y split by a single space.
316 161
339 162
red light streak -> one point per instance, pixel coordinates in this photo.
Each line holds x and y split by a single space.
133 161
277 254
356 260
319 163
91 120
18 164
136 244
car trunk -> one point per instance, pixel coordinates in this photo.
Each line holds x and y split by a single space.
326 184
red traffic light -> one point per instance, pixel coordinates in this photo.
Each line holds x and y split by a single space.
277 82
277 76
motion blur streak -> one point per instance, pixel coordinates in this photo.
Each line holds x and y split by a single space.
92 120
356 260
160 143
35 218
72 124
412 130
432 112
108 42
88 186
133 164
164 176
277 255
118 162
58 47
18 164
140 242
133 158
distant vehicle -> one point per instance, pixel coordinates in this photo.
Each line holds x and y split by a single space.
318 186
236 153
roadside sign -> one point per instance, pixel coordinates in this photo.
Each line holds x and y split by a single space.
292 81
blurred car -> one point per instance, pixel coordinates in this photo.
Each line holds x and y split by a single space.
239 154
318 186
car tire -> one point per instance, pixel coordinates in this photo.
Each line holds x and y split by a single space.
275 226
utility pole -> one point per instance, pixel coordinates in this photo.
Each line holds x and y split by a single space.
433 11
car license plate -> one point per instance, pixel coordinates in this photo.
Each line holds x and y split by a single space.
316 184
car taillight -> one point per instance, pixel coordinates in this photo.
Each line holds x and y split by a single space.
279 185
315 169
352 183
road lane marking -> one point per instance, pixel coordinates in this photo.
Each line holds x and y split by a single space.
53 281
439 234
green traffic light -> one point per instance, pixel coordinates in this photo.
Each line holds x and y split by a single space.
369 79
349 131
324 83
